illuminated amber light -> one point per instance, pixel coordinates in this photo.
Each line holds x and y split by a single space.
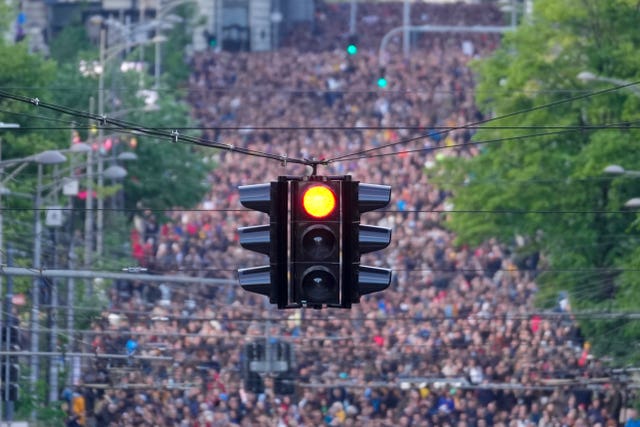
318 201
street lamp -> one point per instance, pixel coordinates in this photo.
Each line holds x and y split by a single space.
619 170
588 76
633 203
127 156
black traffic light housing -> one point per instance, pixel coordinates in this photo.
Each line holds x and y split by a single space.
314 255
316 242
352 44
271 240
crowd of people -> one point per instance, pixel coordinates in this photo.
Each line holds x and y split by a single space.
456 339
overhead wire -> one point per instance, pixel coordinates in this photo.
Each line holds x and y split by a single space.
401 211
461 145
549 105
320 128
311 91
174 135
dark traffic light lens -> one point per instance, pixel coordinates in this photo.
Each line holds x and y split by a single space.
319 242
319 285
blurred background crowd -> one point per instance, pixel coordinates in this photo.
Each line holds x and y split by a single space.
455 340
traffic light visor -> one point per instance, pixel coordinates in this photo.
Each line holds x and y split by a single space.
319 201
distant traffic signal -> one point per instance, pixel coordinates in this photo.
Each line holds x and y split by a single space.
382 78
212 39
352 44
314 241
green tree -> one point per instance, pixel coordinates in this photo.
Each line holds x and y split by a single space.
517 184
165 175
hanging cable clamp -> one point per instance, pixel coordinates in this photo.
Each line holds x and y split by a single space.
284 160
176 135
35 101
103 120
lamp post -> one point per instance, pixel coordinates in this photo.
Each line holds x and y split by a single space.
3 126
162 15
406 29
105 56
9 293
50 157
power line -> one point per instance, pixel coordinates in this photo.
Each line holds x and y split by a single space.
479 122
173 136
522 316
401 211
467 144
310 91
307 128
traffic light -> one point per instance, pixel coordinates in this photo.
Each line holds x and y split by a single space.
352 44
382 78
314 241
212 39
270 280
316 237
362 239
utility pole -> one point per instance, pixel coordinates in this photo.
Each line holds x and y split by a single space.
71 295
8 320
88 221
352 16
406 22
100 207
53 337
35 289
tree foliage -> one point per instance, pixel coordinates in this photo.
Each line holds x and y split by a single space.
548 188
165 175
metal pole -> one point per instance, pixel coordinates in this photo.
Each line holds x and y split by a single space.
352 17
100 207
157 65
1 232
3 126
406 18
53 337
8 320
71 293
35 290
142 4
91 274
88 221
436 29
91 355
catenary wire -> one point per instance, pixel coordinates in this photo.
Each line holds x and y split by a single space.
401 211
492 119
461 145
307 128
174 135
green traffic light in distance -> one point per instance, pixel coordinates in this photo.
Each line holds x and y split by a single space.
382 82
352 49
